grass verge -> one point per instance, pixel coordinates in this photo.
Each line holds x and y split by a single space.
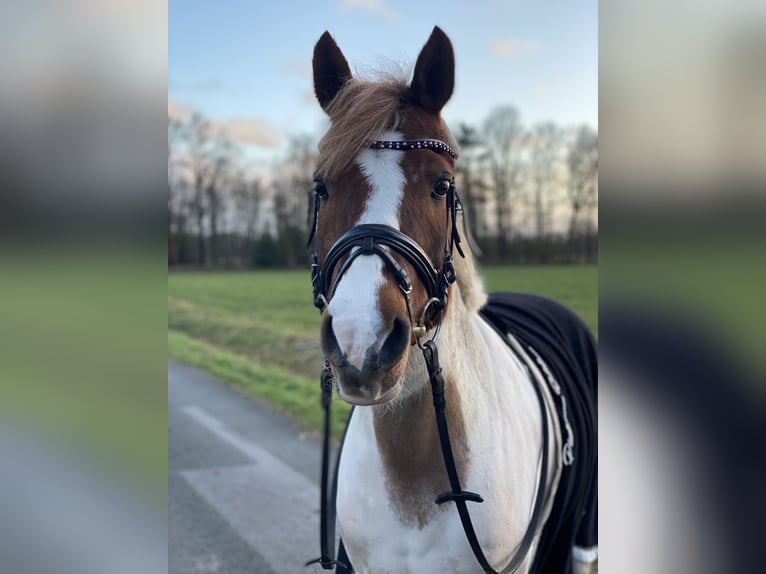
292 394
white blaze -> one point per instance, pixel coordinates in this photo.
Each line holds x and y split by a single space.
356 319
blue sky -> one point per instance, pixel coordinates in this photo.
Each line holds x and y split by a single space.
247 64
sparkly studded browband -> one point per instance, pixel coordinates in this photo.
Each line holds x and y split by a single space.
434 145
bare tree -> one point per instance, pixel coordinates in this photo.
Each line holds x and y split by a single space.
302 157
503 140
178 203
220 178
248 199
469 184
544 156
545 149
207 160
292 197
582 190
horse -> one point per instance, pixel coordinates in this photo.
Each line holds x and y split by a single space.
392 278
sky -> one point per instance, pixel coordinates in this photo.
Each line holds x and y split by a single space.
247 64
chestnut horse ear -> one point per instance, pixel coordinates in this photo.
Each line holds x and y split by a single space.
331 70
434 76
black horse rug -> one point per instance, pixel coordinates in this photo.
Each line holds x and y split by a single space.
561 344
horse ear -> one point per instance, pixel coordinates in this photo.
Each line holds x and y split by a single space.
331 70
434 76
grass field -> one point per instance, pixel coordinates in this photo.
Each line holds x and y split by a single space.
259 330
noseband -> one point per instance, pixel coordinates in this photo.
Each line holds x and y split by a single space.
383 241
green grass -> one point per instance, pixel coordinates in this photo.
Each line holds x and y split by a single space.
292 394
82 356
574 286
259 331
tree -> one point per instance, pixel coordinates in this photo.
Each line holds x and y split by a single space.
293 198
208 162
469 185
248 198
503 140
582 190
178 194
545 153
220 178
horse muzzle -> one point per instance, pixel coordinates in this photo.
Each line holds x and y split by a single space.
367 372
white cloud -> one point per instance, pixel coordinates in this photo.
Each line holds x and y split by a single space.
178 111
254 131
375 7
248 131
514 48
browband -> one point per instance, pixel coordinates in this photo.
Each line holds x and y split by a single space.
406 145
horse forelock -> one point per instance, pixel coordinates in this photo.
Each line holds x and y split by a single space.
359 114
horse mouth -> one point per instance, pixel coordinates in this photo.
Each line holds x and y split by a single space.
366 401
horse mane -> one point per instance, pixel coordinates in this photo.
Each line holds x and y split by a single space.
359 113
468 280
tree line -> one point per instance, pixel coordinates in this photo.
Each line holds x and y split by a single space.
530 195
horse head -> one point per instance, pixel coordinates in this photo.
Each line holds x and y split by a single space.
385 170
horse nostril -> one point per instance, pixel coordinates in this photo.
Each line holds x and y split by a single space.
330 344
395 344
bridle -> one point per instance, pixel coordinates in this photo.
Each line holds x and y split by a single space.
382 240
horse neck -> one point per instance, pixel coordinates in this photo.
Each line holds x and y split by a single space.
405 430
460 346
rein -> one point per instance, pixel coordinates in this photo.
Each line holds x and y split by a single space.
381 240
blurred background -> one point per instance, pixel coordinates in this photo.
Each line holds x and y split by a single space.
83 365
98 200
681 281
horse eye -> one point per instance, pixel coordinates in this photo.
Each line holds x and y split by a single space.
441 188
320 189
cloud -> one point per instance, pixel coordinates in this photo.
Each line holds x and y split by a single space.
514 48
374 7
178 111
253 131
247 131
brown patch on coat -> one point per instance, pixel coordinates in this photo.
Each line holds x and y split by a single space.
422 217
346 199
408 442
347 196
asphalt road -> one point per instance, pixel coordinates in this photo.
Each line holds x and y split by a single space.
243 494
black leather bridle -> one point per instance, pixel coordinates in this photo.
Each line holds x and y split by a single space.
383 241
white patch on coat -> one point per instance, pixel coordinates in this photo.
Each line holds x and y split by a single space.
382 168
502 422
356 319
